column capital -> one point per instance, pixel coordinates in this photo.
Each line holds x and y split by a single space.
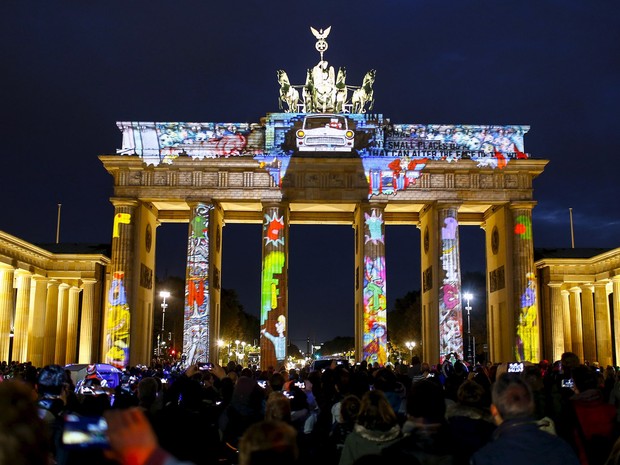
88 281
124 202
21 273
522 205
565 292
6 267
52 282
443 204
75 289
575 290
63 286
616 279
193 201
587 287
555 284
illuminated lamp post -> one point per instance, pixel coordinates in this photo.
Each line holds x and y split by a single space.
243 344
471 358
220 345
164 295
410 345
237 350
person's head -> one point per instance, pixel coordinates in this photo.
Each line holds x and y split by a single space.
376 413
470 393
569 361
512 398
426 402
147 390
276 381
52 380
278 407
349 409
585 378
268 443
23 435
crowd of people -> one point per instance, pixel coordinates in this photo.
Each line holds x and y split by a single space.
561 413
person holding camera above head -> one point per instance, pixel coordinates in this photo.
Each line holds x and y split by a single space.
518 438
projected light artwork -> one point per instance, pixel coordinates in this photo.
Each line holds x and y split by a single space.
197 310
118 321
527 327
450 312
328 158
273 288
374 290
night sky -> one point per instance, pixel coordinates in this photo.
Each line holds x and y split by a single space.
71 69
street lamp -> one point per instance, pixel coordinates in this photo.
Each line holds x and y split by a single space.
410 345
471 357
220 345
237 350
164 295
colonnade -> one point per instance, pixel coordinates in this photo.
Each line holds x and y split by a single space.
46 321
50 303
581 298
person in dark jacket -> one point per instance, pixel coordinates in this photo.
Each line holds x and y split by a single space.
518 439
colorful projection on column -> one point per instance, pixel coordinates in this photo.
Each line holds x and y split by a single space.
527 326
374 290
117 323
273 289
197 310
450 312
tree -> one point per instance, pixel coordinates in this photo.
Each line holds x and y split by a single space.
235 324
405 320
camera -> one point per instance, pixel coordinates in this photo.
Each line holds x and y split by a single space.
84 432
205 366
568 383
515 367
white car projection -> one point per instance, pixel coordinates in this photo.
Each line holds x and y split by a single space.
325 133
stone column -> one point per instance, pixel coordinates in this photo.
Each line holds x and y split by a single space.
603 324
117 324
525 298
61 324
576 328
72 324
450 307
36 320
371 308
22 310
6 310
589 331
566 321
51 322
616 305
557 327
87 349
274 286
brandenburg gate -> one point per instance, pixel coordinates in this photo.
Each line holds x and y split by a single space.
324 158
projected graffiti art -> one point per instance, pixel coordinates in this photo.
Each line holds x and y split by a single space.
197 310
118 321
527 327
450 313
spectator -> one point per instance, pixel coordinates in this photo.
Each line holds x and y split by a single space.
595 427
427 437
470 421
376 428
518 439
24 439
268 443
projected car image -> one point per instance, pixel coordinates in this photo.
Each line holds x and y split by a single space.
325 133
